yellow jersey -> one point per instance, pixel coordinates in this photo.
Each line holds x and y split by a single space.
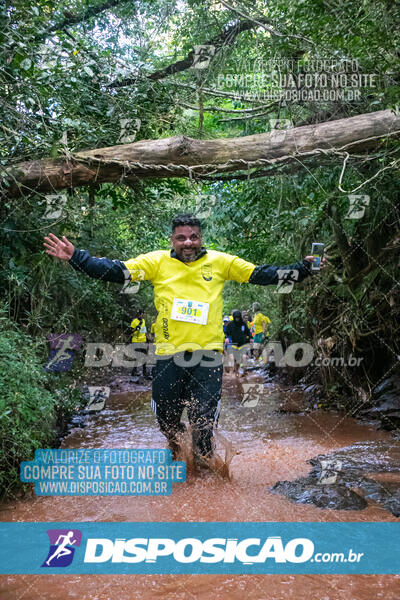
258 321
186 292
140 334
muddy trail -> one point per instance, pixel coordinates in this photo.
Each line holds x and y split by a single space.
270 442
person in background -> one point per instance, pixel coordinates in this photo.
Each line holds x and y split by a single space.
239 333
225 322
260 329
250 325
246 319
229 348
139 338
227 344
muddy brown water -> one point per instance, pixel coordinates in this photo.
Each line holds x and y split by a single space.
271 446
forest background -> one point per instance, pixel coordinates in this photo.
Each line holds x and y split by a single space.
91 74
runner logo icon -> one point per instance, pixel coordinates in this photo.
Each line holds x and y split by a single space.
62 547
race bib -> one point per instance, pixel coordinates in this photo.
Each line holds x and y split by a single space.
189 311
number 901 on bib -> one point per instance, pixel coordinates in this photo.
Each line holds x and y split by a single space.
189 311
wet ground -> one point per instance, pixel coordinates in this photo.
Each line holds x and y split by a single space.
271 446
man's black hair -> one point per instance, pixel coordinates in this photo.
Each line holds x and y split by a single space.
185 219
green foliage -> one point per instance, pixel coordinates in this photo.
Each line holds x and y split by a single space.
62 62
30 405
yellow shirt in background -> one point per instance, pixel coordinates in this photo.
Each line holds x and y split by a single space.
259 319
140 334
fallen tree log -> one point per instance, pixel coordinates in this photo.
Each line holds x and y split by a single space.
186 157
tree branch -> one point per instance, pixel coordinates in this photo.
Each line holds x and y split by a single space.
227 37
261 22
71 19
186 157
219 93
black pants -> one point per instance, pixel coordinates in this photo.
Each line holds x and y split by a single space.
194 380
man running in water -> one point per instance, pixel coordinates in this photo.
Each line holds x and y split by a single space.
188 282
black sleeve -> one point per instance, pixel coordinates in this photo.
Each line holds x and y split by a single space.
247 332
99 268
228 329
268 274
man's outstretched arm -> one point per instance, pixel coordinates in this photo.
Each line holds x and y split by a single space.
246 272
81 260
268 274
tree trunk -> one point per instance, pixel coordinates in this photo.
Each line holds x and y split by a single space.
186 157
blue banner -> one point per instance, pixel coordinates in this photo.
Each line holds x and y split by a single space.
201 548
103 472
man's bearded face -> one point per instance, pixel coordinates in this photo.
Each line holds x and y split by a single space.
187 241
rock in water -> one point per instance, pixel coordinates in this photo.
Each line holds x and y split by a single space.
385 403
334 476
383 492
393 504
306 491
